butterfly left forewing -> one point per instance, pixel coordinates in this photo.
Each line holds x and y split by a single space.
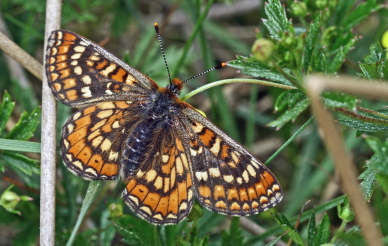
227 178
81 72
161 190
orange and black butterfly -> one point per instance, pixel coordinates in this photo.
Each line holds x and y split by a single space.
165 151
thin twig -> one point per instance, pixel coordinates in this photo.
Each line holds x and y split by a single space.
18 54
48 141
333 140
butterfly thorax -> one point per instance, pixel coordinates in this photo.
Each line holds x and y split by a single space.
158 114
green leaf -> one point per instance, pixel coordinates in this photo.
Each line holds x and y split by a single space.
319 63
380 156
323 231
339 100
234 237
310 42
343 6
340 56
376 53
292 232
136 231
288 98
277 22
311 230
19 145
368 183
25 127
364 126
273 242
375 67
361 12
6 108
290 114
252 67
21 162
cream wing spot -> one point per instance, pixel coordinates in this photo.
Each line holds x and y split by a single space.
86 92
251 170
179 166
83 43
158 217
165 158
113 156
214 172
215 149
77 115
201 176
106 145
151 175
228 178
95 57
146 209
74 63
158 183
79 49
70 128
97 141
116 124
109 69
78 70
245 176
134 199
104 114
76 56
86 79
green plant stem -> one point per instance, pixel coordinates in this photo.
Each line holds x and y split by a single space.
289 140
229 81
91 193
337 233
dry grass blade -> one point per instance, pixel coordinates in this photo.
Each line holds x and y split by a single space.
332 137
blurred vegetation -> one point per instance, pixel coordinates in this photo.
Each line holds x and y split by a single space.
288 40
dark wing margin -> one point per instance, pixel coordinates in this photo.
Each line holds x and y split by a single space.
161 190
227 178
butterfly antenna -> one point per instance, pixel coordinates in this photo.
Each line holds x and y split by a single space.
221 65
161 48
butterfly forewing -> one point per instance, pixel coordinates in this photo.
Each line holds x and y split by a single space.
164 150
80 72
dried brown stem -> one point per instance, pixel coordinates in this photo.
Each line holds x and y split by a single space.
334 143
18 54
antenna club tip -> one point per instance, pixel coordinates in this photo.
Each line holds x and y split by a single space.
156 25
221 65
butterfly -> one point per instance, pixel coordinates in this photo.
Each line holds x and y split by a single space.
165 151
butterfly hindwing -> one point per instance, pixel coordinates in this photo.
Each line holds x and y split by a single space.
161 190
92 137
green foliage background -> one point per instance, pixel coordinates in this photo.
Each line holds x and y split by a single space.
331 37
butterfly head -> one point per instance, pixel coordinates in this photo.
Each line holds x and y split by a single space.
175 86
